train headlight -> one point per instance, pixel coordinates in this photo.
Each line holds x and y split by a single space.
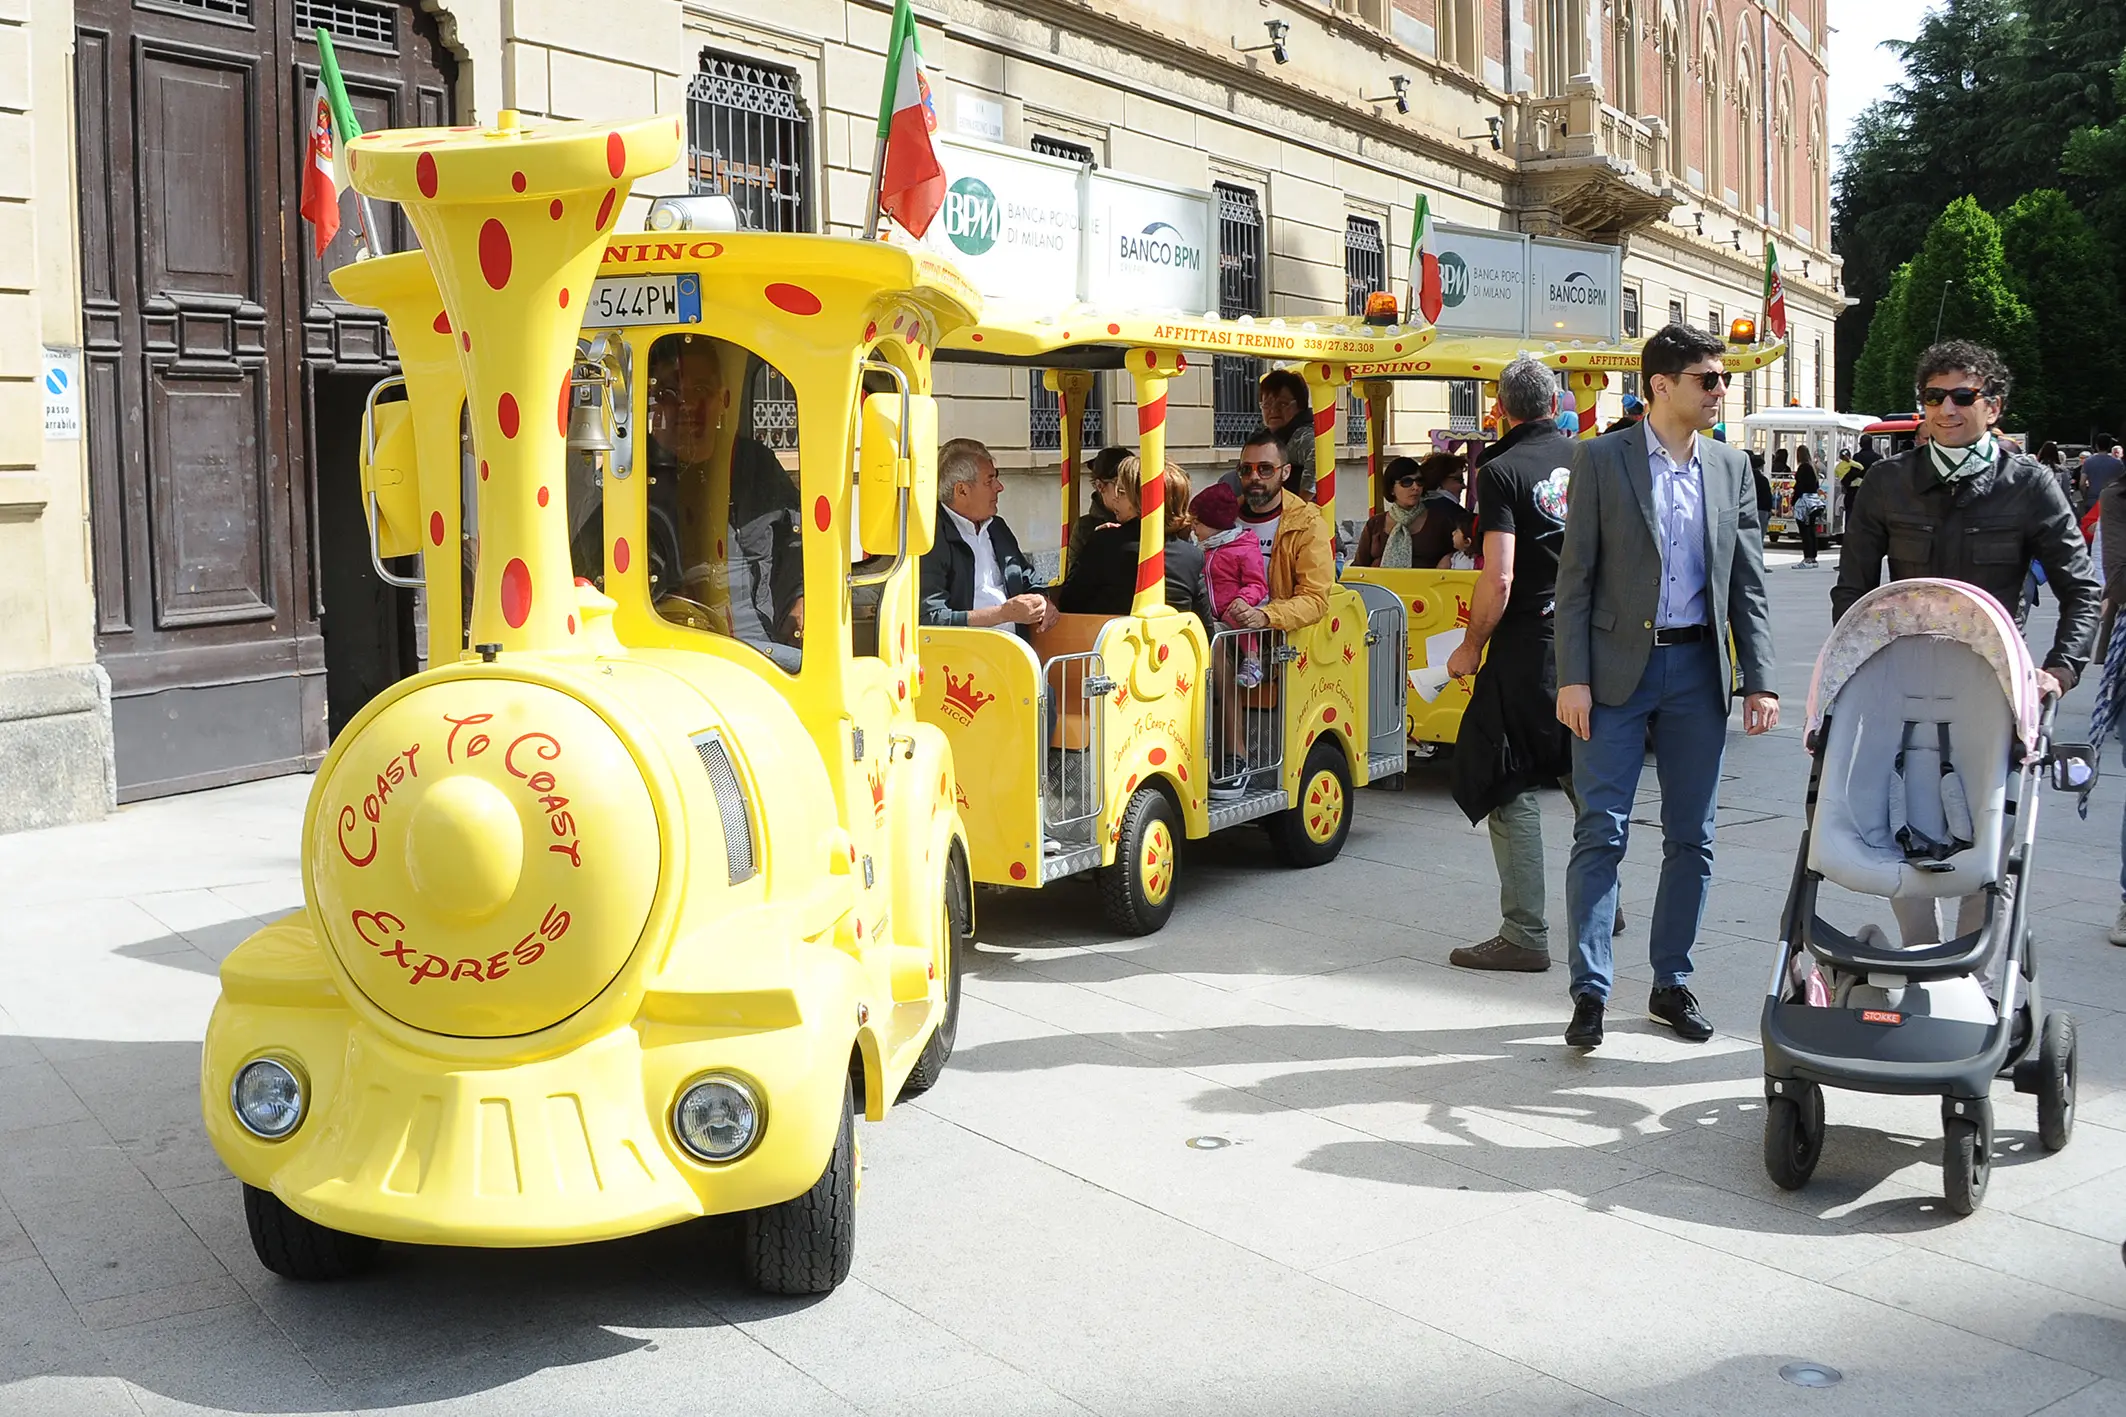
717 1117
267 1098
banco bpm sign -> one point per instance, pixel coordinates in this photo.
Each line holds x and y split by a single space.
1504 283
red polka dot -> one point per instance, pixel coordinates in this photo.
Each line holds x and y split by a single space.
792 299
424 172
564 297
465 338
902 686
1183 769
554 210
1156 756
978 337
483 469
615 154
516 180
1018 870
1066 334
1398 349
605 208
544 496
572 624
435 527
1132 787
506 415
561 412
1162 654
1151 360
822 514
871 332
1335 625
1324 371
1114 329
1181 361
516 593
494 253
442 324
1328 715
620 555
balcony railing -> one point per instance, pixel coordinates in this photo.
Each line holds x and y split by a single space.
1580 125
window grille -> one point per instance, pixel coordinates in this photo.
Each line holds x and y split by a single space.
367 23
1461 406
749 137
1631 331
1235 409
1045 418
1819 374
774 407
1044 411
219 9
1062 148
1675 312
1365 271
1787 363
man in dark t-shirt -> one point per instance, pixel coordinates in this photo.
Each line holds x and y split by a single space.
1511 742
2100 468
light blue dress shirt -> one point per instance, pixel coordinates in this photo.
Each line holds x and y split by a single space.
1679 518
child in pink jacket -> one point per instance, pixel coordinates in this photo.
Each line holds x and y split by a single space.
1232 566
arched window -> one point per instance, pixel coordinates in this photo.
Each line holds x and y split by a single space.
1459 34
1624 58
1745 134
1561 43
1672 82
1783 150
1819 179
1709 100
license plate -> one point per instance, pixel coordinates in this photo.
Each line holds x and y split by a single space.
645 300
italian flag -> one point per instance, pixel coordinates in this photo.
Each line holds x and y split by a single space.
1426 294
332 127
1774 292
911 179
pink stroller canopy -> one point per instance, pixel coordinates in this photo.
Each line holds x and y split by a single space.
1949 610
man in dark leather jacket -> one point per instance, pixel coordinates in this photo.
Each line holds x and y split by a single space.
1963 507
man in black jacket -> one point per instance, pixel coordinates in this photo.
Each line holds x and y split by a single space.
1963 507
1511 741
974 573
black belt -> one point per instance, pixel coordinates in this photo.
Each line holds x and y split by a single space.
1680 634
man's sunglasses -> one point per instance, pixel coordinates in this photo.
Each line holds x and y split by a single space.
1962 398
1266 469
1719 379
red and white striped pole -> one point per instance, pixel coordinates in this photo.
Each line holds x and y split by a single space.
1149 371
1072 388
1587 387
1325 385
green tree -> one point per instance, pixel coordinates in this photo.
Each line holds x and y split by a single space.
2059 267
1877 386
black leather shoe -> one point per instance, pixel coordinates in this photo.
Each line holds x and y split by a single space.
1585 1030
1678 1008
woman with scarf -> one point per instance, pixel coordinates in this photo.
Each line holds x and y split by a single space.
1406 532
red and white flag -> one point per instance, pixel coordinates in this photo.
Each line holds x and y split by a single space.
321 178
911 179
1774 292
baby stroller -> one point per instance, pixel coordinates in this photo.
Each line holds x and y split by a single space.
1928 736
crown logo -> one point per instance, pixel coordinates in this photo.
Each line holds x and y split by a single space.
876 776
1302 661
1182 684
1349 654
1461 611
962 699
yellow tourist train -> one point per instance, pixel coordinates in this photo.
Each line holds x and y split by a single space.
617 918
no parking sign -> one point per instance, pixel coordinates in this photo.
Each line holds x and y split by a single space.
62 394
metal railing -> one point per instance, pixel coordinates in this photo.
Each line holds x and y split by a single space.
1388 637
1073 739
1247 744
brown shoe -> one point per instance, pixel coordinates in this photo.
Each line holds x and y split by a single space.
1498 952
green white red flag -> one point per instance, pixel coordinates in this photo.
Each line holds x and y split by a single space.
1774 292
332 127
1427 295
911 179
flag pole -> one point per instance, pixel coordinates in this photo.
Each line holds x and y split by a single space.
878 176
343 129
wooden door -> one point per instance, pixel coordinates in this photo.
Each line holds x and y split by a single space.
196 284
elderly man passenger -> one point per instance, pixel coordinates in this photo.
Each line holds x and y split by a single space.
975 574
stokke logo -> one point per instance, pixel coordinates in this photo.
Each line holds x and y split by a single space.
973 217
962 699
1161 244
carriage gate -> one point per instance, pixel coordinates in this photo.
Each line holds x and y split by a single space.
235 608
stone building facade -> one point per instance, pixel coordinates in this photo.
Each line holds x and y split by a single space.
1686 132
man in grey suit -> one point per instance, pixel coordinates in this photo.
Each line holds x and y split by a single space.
1663 559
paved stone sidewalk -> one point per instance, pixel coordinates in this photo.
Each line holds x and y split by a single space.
1276 1159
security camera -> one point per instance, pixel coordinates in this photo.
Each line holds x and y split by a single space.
1278 30
1401 84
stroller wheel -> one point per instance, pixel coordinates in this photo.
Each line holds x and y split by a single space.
1966 1161
1793 1136
2056 1067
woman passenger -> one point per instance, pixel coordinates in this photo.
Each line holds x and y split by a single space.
1103 581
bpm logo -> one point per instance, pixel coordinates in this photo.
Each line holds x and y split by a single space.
973 217
1453 279
1579 288
1162 244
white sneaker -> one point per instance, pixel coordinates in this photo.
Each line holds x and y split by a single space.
2117 933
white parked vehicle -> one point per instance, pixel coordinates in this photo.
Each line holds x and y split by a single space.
1823 432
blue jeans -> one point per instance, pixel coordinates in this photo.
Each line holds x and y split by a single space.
1681 691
